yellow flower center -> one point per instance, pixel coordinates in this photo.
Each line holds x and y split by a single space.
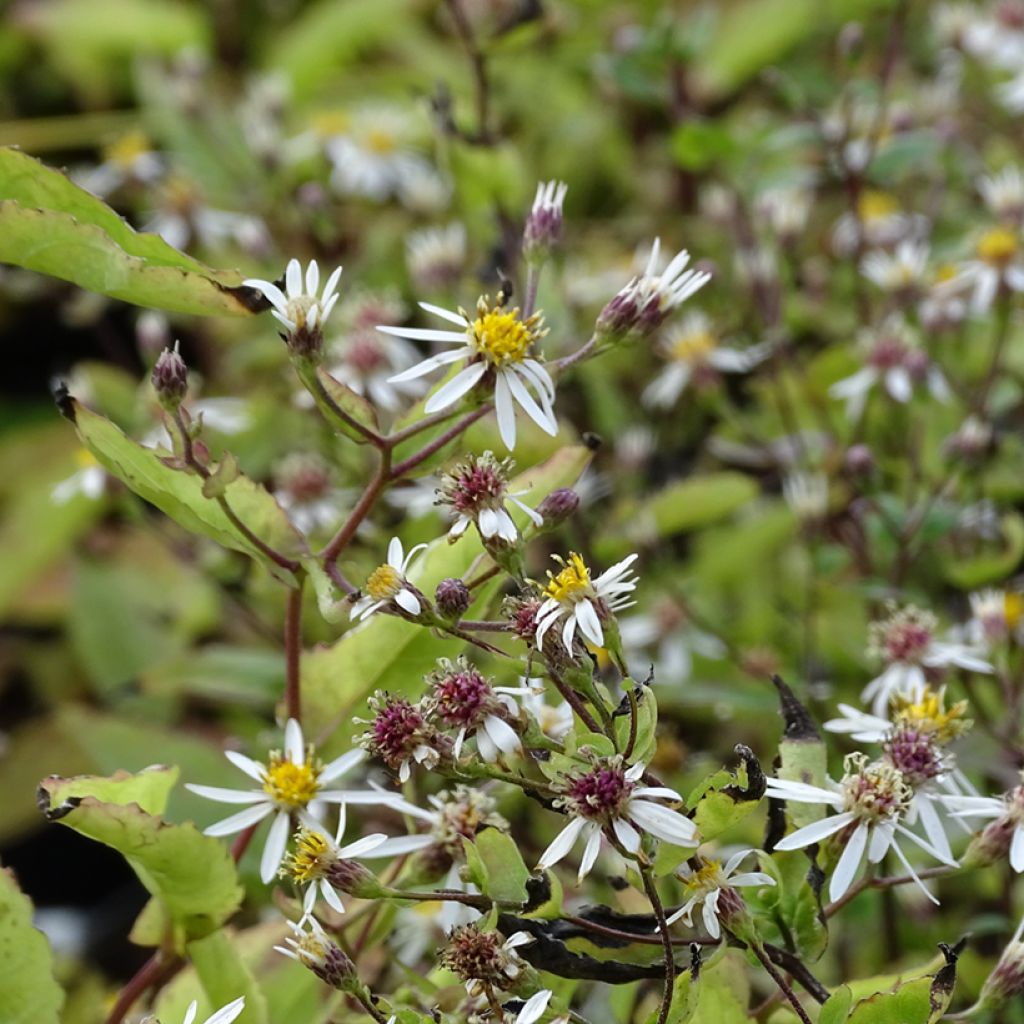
1013 608
572 583
380 141
998 246
929 715
291 785
501 336
309 861
874 205
384 583
85 458
707 878
946 272
298 309
126 150
693 346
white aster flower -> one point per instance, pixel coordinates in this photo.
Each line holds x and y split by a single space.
1003 193
290 783
1007 814
995 617
572 595
130 158
906 642
388 584
302 306
323 865
693 354
608 797
807 495
878 223
554 720
786 210
225 1015
894 361
999 267
899 271
476 491
869 802
436 257
706 887
648 299
533 1009
498 345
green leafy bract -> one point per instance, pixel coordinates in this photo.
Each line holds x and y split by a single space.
179 494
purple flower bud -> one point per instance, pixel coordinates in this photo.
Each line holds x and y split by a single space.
452 598
170 378
558 506
543 230
860 460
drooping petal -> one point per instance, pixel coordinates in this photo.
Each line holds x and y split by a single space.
1017 849
663 822
504 411
450 392
504 737
534 1007
626 834
408 601
562 843
273 849
849 862
590 851
589 623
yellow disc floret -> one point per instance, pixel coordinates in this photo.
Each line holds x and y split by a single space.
126 150
1013 608
384 583
381 141
875 206
997 246
500 336
693 346
706 879
291 785
572 583
312 856
929 714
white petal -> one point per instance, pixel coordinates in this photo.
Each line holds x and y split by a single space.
400 845
589 623
241 820
849 862
590 851
330 896
228 796
293 279
540 416
329 289
226 1014
655 792
407 600
445 314
710 914
534 1007
294 745
626 834
504 737
450 392
569 631
422 333
190 1013
815 832
273 850
427 366
340 765
562 843
246 764
933 827
505 412
663 822
1017 849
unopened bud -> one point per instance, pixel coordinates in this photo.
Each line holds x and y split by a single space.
349 876
543 230
558 506
315 950
170 378
452 598
859 460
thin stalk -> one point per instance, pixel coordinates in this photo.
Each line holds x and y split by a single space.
438 443
779 980
366 502
666 941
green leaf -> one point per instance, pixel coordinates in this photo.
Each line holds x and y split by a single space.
191 874
29 994
391 654
646 724
148 789
836 1008
331 395
718 996
696 145
507 874
225 977
50 225
179 494
721 800
910 1003
790 910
